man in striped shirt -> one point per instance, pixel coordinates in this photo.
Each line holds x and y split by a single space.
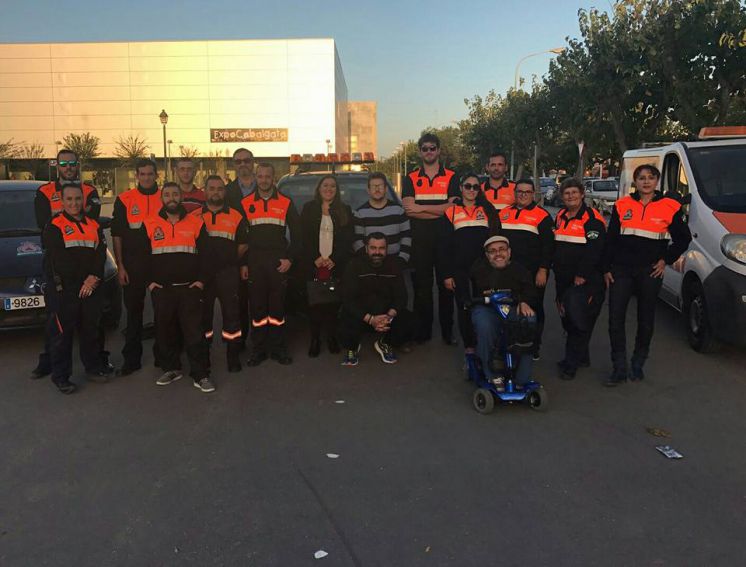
380 214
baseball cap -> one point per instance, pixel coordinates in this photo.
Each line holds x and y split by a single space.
493 239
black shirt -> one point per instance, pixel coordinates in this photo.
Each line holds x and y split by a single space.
514 277
373 289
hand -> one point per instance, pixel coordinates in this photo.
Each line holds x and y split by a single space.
85 291
541 277
380 323
658 268
329 264
525 310
579 280
449 284
318 262
284 265
92 282
244 271
123 276
155 285
197 284
414 208
609 279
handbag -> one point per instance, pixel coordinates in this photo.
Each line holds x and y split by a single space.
321 292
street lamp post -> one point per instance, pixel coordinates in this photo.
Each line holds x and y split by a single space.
168 161
164 120
555 51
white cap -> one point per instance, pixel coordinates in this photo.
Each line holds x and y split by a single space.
492 239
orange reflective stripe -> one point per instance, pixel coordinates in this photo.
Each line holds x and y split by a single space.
647 221
520 226
259 322
209 334
435 190
462 217
77 235
276 322
221 224
500 198
272 211
178 238
569 238
231 336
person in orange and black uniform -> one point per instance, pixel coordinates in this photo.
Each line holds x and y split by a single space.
225 249
47 204
327 234
270 214
497 189
74 256
192 197
426 194
463 230
579 236
646 232
529 229
177 271
132 254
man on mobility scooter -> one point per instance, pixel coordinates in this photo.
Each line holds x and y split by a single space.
504 321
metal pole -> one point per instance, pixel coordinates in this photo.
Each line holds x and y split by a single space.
165 156
512 160
537 184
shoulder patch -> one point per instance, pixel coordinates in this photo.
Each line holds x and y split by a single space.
592 235
68 229
627 215
158 233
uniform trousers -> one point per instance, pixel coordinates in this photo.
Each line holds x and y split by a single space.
267 290
424 249
224 287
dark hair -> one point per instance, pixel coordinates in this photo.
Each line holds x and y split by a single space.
654 171
214 178
497 153
145 162
178 160
525 181
69 185
66 151
572 182
243 150
376 175
266 164
336 208
168 184
375 236
467 175
428 137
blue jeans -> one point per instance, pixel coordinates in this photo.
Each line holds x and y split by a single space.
488 327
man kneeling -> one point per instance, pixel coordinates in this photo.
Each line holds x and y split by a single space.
374 297
496 272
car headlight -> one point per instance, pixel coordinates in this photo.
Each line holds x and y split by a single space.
734 247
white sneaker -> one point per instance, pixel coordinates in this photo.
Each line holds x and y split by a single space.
168 377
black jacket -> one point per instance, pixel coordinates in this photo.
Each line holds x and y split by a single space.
273 240
579 259
370 289
459 249
233 194
514 277
310 221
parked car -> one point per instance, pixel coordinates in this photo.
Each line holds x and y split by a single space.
21 275
601 194
549 191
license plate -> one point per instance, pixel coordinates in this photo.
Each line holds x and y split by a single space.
25 302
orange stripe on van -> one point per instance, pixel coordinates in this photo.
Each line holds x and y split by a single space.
733 222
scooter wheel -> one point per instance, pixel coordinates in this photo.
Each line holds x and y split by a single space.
484 401
539 400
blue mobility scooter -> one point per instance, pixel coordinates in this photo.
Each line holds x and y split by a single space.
504 362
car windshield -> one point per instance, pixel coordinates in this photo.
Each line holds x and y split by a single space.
605 186
17 211
300 188
546 181
720 172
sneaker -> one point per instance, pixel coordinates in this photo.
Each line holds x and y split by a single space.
616 379
536 356
636 373
282 357
65 386
168 377
128 369
350 358
205 384
386 352
257 358
499 383
40 372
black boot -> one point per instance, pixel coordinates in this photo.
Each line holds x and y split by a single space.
232 350
315 347
333 345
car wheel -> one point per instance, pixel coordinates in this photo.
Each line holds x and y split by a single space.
698 329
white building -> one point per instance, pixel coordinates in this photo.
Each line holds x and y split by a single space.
277 97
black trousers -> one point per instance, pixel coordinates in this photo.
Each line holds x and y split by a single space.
134 304
68 314
540 315
178 314
351 330
243 309
632 282
465 326
582 306
424 246
323 318
224 287
267 289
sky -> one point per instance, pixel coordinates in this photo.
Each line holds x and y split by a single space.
417 60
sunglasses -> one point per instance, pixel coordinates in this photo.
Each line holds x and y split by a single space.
63 163
243 160
429 148
471 186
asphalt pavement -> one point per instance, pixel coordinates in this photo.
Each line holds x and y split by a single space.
129 473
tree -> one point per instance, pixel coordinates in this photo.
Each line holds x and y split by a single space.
85 145
130 149
31 151
189 152
8 149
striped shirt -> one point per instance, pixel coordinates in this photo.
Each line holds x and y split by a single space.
391 220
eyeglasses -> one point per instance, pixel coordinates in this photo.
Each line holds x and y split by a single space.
471 186
428 148
530 192
247 160
63 163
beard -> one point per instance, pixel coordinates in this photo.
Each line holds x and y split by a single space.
430 161
218 202
172 207
376 259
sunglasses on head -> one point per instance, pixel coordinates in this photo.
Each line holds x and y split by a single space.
428 148
66 163
471 186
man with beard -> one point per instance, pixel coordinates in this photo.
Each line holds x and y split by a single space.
176 244
426 193
374 297
242 186
192 197
47 204
225 248
497 189
132 253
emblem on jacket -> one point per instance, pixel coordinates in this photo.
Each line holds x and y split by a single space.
627 215
592 235
55 196
69 230
158 233
252 209
135 210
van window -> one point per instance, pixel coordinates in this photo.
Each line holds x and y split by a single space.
720 172
674 183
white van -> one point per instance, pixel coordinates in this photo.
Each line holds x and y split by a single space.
708 283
